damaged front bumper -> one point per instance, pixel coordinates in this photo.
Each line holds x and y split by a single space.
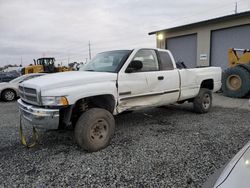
40 118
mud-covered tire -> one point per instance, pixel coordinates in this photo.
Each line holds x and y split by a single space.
8 95
203 101
94 129
235 82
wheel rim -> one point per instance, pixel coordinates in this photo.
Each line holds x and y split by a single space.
99 131
206 102
9 95
234 82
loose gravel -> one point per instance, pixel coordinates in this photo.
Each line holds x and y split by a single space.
161 147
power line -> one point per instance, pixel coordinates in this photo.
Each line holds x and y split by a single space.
202 12
107 46
86 49
190 16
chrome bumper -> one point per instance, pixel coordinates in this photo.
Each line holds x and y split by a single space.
39 117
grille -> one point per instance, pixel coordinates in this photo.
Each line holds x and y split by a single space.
28 94
29 90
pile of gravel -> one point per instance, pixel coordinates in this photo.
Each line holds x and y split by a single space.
162 147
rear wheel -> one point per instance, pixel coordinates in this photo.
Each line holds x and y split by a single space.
236 82
203 101
94 129
8 95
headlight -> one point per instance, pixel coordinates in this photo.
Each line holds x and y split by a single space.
54 101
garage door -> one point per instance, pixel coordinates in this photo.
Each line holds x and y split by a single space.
184 49
236 37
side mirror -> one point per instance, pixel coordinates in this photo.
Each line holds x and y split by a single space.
134 66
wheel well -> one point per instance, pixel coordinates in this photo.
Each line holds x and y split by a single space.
10 90
101 101
209 84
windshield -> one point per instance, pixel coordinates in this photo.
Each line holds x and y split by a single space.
107 61
45 61
18 79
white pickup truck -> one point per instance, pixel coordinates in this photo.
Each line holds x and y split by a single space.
111 83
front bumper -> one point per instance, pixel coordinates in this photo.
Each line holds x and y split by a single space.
39 117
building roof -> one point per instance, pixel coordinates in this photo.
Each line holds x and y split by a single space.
224 18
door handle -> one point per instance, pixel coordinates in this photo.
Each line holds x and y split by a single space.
160 77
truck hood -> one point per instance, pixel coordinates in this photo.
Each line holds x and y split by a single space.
68 79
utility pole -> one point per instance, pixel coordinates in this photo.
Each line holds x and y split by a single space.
236 8
21 61
89 51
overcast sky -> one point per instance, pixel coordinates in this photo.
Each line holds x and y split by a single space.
62 28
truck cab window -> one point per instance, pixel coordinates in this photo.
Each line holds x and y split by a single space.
148 59
166 62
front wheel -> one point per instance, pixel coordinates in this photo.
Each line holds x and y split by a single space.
8 95
94 129
203 101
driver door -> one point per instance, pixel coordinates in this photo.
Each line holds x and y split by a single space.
133 90
130 86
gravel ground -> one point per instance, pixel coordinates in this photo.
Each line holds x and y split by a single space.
162 147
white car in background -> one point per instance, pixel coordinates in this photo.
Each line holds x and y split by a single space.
236 173
9 90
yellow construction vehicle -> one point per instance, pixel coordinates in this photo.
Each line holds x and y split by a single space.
45 64
236 78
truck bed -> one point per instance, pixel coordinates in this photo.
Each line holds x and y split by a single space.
191 79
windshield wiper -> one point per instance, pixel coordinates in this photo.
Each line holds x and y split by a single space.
89 70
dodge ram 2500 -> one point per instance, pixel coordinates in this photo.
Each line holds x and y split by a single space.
111 83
